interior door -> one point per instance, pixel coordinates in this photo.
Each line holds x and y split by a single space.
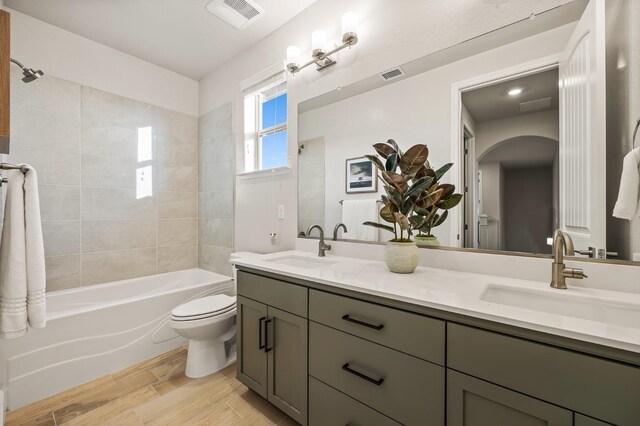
583 132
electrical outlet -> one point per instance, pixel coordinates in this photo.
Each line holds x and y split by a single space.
280 211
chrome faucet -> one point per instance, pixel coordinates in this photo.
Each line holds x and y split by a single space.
562 243
322 246
337 228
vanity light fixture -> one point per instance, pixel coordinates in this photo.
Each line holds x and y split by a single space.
319 54
515 91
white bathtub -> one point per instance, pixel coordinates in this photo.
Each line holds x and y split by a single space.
97 330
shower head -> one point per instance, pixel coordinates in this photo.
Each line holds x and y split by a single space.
29 73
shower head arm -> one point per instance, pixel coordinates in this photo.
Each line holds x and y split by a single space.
18 63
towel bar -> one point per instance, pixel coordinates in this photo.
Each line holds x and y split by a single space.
8 166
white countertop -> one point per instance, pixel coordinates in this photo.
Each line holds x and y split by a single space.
462 292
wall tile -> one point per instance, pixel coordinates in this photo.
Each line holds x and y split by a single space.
61 237
50 94
109 172
109 266
215 259
59 202
218 177
104 235
116 141
63 272
172 150
217 148
218 204
45 129
177 178
104 203
217 232
115 110
176 258
53 166
177 231
216 122
177 204
182 126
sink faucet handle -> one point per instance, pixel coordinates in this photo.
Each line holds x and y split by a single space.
576 273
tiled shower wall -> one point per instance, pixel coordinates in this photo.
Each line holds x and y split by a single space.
95 153
216 177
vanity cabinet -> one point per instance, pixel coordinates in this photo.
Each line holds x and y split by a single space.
272 342
373 361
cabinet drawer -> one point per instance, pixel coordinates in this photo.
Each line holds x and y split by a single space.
414 334
328 407
598 388
405 388
279 294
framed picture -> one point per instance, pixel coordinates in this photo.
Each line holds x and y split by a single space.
361 176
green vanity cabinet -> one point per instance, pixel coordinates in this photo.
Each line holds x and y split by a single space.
272 342
358 359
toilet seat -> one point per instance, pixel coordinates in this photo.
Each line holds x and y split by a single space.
205 307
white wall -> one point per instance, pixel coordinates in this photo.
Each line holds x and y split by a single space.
77 59
391 33
416 110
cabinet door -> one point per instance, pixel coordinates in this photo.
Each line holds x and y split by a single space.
252 357
287 337
473 402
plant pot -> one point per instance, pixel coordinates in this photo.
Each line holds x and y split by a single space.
401 258
426 240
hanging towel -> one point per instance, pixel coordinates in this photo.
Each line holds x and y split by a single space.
628 204
355 213
22 271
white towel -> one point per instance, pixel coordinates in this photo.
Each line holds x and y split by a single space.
22 269
355 213
628 204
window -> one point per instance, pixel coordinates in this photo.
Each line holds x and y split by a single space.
265 124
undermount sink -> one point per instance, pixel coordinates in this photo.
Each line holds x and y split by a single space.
302 262
570 305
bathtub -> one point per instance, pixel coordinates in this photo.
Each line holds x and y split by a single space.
97 330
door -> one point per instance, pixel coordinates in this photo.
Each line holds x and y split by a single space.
252 355
583 132
287 337
474 402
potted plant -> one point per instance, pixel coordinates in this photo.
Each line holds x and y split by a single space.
412 189
437 213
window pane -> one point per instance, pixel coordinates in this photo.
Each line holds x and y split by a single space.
274 111
274 150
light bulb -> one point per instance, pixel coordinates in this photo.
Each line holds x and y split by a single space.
318 40
293 55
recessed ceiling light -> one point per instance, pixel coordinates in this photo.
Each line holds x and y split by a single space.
515 91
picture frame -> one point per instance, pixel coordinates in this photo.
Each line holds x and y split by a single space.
360 176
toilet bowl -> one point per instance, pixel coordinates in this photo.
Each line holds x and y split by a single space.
208 323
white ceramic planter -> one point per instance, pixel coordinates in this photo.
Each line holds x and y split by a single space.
426 241
401 258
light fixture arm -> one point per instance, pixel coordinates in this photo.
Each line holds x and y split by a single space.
323 59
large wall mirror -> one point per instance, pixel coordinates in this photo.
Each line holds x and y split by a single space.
537 118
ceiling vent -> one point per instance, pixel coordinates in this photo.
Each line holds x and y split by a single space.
237 13
392 73
535 105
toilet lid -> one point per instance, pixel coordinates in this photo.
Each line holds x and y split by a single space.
204 306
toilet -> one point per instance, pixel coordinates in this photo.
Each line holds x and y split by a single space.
210 325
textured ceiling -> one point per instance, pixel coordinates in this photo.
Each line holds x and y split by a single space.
179 35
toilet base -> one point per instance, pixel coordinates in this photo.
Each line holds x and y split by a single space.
206 357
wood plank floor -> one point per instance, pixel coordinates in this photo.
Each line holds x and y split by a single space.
154 392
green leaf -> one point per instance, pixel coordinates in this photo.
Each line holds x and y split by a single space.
447 189
380 226
395 180
402 221
386 213
376 161
414 159
450 202
395 146
392 162
440 220
384 150
430 199
425 171
442 170
419 186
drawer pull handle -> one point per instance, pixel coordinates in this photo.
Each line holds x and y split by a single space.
346 368
346 317
266 336
260 332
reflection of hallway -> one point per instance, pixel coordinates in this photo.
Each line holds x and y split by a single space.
512 164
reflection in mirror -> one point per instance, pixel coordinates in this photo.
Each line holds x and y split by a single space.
520 112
